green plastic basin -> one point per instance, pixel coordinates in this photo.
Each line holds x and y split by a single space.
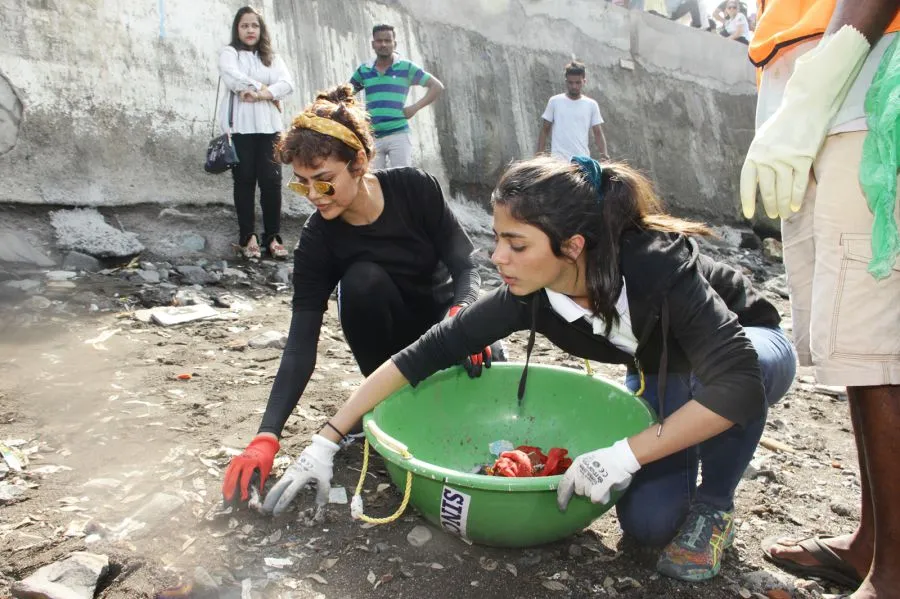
449 421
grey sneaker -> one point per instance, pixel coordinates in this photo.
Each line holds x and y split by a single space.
696 551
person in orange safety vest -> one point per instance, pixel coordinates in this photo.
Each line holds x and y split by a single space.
817 61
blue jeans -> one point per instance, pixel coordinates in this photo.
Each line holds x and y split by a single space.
661 493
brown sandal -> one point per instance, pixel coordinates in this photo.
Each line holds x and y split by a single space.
830 567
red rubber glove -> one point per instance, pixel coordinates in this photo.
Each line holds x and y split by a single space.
259 456
474 363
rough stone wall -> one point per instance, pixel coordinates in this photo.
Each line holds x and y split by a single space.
118 95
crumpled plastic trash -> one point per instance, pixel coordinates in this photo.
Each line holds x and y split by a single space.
527 460
881 159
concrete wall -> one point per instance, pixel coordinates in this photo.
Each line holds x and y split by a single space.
119 94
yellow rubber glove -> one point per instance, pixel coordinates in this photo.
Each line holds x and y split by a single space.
783 150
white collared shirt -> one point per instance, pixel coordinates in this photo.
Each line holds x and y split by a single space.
620 335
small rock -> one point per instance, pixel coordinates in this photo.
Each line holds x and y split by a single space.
78 261
189 297
487 563
626 583
750 241
15 247
772 249
147 276
283 275
763 580
196 275
148 266
269 339
809 585
778 594
72 578
778 286
10 493
234 273
61 275
575 550
418 536
755 466
842 509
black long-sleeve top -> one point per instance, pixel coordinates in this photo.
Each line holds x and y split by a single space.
416 239
705 303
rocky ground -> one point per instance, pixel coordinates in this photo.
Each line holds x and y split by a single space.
116 430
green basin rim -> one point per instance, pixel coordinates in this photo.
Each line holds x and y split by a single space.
477 481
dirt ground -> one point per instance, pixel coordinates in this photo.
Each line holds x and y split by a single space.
107 427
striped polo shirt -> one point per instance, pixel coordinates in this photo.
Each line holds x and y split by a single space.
386 93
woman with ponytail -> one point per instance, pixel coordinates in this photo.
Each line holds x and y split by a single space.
590 260
390 244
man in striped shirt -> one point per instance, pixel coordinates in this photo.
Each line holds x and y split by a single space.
387 80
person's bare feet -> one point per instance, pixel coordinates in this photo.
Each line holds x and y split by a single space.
847 547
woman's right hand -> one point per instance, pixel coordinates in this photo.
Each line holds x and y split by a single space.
315 464
249 95
258 457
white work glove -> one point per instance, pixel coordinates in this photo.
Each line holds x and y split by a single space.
315 464
598 473
783 150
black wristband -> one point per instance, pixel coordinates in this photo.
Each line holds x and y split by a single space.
334 428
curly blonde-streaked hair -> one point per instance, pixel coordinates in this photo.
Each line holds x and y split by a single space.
311 147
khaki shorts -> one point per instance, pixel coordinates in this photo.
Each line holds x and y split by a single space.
846 323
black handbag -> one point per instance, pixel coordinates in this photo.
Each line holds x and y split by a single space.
221 155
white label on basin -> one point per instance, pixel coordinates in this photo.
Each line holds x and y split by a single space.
454 511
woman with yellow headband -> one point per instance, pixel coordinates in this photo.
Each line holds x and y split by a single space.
386 239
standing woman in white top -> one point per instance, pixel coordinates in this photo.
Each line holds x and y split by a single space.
259 80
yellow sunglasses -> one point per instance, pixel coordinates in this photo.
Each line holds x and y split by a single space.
324 188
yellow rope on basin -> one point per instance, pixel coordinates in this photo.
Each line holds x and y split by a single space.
587 365
357 497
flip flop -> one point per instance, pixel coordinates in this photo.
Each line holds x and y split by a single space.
830 567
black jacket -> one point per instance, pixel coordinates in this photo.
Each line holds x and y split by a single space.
687 313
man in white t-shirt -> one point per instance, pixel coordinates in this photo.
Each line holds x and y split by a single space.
569 119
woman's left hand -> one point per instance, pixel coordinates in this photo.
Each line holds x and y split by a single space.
597 474
315 465
249 95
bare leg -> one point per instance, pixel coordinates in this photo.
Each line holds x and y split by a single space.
857 547
879 422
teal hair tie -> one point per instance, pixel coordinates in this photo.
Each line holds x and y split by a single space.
593 171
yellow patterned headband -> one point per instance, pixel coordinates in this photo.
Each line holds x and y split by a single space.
327 127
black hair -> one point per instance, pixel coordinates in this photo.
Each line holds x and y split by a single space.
384 27
263 45
575 68
557 198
